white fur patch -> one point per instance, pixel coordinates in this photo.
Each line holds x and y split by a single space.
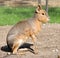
20 41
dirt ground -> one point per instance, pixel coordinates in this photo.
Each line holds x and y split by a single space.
48 43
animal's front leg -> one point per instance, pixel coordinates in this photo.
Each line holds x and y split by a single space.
34 39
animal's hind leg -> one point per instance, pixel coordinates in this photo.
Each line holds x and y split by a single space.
15 48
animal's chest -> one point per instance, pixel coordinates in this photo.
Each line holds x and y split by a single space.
36 27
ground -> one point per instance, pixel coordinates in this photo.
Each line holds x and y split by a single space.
48 43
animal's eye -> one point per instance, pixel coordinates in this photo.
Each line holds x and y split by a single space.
42 13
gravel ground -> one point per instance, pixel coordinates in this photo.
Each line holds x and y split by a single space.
48 43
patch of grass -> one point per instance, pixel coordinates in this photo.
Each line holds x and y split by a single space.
10 16
54 14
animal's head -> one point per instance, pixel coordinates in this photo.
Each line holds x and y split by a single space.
41 14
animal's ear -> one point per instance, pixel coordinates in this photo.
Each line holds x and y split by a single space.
38 8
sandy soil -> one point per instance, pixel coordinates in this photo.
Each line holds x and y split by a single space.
48 43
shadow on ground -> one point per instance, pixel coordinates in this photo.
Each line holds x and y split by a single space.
25 45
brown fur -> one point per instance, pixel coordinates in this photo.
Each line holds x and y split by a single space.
20 32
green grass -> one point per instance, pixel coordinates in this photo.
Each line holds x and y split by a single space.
54 14
9 16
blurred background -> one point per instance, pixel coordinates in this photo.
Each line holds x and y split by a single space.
12 11
15 3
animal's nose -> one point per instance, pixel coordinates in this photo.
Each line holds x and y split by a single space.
48 18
